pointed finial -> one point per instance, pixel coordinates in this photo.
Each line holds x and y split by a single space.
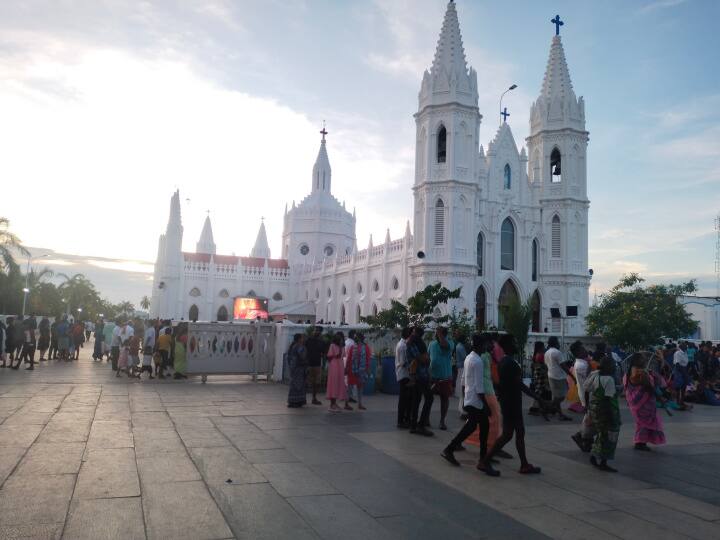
323 131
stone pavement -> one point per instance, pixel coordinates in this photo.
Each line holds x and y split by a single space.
86 455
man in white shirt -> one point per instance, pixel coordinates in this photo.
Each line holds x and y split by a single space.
475 404
558 371
402 374
349 344
680 376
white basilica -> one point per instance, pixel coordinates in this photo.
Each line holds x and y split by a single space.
501 223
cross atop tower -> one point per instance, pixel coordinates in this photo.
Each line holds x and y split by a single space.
323 131
558 23
504 114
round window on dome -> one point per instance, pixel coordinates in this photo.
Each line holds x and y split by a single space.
304 249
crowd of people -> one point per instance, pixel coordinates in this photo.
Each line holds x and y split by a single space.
486 374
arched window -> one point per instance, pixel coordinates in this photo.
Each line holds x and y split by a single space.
358 314
222 314
534 269
439 223
480 304
507 245
344 289
536 310
224 293
555 166
317 293
359 288
395 283
277 296
507 177
480 253
555 236
342 314
441 144
194 313
329 292
374 310
508 296
376 285
194 292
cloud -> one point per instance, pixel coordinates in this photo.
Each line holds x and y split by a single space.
660 4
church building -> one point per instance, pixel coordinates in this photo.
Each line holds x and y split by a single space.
502 223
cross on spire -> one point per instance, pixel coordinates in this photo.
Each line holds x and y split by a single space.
558 23
323 131
504 114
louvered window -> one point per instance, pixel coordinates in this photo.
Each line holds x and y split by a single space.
556 237
439 223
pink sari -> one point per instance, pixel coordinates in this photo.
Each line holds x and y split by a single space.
336 388
640 395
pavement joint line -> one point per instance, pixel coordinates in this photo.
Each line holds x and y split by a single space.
77 476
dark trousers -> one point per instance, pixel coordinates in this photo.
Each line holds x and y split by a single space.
421 392
27 354
404 401
475 417
52 352
114 357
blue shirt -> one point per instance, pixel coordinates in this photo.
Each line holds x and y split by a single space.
441 360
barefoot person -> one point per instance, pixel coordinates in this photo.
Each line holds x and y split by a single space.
604 413
358 367
336 389
511 389
475 405
640 395
441 351
558 372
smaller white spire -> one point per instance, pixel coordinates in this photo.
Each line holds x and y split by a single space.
387 236
175 220
206 244
321 170
261 248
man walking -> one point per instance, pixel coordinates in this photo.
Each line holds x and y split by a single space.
315 348
475 405
558 371
680 376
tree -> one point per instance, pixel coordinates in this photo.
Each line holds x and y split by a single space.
636 317
145 303
125 308
421 310
9 243
461 321
518 318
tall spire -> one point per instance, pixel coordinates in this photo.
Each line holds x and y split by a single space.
175 220
321 171
449 79
261 248
206 244
557 106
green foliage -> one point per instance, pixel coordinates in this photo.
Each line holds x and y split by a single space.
461 321
419 311
145 303
636 317
518 318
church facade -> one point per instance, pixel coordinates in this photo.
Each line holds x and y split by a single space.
500 223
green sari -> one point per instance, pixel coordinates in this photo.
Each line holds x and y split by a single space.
604 413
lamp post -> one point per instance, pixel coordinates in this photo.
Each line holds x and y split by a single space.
513 87
26 288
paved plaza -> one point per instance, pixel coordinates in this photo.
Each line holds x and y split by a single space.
86 455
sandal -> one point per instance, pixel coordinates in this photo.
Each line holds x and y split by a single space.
530 469
487 469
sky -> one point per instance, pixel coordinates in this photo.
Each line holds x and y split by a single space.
108 106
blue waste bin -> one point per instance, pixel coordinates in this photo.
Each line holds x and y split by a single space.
389 380
369 388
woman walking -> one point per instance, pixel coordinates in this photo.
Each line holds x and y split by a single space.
44 340
297 362
358 366
180 365
604 413
640 395
336 389
539 382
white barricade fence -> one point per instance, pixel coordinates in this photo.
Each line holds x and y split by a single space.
230 348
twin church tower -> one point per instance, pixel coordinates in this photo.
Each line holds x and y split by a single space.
501 223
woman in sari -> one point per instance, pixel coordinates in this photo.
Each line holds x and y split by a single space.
604 412
297 362
180 365
336 389
640 395
539 383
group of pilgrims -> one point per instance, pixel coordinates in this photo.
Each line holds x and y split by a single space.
486 374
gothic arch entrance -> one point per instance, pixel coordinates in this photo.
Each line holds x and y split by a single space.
536 311
480 307
194 313
222 314
508 295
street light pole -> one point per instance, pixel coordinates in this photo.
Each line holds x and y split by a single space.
513 87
